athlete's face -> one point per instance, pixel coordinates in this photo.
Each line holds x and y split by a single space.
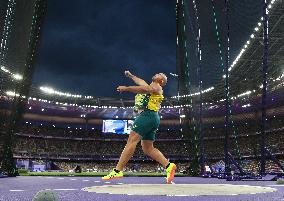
161 78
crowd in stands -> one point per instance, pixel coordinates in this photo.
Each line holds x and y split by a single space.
42 140
253 166
242 127
108 165
250 166
81 132
66 141
51 146
247 145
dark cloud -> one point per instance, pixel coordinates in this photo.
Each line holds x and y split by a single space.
86 44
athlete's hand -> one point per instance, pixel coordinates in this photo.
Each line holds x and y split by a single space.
121 88
128 74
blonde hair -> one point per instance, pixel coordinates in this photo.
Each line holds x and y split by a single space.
165 79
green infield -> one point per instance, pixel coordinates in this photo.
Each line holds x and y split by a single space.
96 174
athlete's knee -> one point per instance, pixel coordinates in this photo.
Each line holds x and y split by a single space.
147 149
133 138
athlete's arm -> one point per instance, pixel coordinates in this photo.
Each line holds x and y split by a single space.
149 89
136 79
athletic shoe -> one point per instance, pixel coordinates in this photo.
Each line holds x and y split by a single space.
113 175
171 172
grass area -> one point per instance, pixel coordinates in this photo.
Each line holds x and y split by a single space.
280 181
96 174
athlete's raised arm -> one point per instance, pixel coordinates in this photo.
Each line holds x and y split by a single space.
136 79
149 89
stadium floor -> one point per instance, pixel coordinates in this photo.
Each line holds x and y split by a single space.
24 188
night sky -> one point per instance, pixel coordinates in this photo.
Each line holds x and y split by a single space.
86 45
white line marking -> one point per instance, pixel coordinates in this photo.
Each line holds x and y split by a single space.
97 181
86 180
66 189
60 178
120 183
73 179
107 182
16 190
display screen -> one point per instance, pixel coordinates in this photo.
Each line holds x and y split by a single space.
117 126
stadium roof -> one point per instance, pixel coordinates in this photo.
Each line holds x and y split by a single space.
245 75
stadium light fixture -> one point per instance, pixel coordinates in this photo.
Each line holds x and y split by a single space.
195 94
173 74
47 90
244 94
12 93
5 69
247 105
55 92
17 76
252 36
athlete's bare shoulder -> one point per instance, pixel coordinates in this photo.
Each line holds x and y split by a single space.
157 89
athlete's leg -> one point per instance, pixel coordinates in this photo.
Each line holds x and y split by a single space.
148 148
128 150
154 153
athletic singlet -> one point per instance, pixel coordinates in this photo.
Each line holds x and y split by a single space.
148 101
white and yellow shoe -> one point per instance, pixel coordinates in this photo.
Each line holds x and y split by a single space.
171 172
113 175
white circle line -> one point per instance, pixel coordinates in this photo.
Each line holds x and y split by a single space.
66 189
16 190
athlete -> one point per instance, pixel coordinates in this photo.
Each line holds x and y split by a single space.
147 102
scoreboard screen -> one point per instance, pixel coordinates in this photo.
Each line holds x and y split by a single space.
115 126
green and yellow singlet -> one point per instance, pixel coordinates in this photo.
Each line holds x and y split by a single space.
148 101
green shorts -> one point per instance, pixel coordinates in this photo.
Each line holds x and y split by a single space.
146 124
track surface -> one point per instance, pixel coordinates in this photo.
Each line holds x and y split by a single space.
70 189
